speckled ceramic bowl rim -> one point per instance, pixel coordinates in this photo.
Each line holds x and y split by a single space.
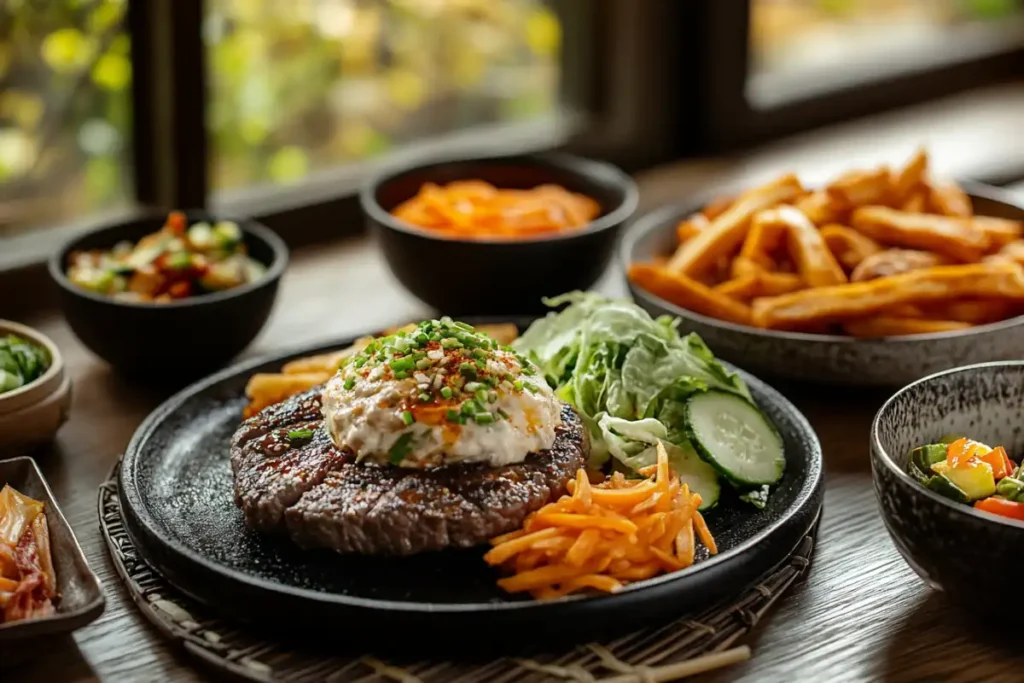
887 460
567 163
51 376
659 219
248 226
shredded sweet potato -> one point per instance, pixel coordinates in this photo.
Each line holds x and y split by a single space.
604 536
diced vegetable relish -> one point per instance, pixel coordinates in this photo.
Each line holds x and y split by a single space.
176 262
457 370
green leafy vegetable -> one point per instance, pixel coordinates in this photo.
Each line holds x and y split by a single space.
21 362
629 376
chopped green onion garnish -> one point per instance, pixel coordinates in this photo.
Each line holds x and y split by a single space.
518 385
451 343
423 363
480 354
350 382
421 338
298 434
473 386
467 370
400 448
481 395
359 362
503 414
492 396
446 392
483 418
401 374
407 418
425 398
403 363
452 415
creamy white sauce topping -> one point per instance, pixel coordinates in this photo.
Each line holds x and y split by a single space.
380 417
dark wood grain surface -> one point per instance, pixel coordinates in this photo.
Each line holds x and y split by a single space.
862 614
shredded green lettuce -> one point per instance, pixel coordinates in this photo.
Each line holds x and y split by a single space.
627 374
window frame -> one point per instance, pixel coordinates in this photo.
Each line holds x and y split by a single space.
727 121
171 144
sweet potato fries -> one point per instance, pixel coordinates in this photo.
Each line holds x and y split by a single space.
604 536
875 253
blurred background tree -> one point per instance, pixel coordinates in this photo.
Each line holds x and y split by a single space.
294 86
65 108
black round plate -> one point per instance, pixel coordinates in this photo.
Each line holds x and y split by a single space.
176 493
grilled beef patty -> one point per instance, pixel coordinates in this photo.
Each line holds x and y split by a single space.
321 497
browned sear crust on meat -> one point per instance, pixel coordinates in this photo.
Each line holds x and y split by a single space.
321 497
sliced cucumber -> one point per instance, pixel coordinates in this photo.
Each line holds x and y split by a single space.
945 487
926 456
695 473
733 435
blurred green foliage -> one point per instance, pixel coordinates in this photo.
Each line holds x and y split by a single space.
65 109
307 84
294 86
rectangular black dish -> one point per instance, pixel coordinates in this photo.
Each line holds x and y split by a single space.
81 598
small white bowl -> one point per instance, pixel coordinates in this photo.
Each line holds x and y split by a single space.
30 415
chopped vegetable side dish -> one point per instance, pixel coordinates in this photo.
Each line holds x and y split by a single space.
28 584
176 262
473 209
971 473
21 362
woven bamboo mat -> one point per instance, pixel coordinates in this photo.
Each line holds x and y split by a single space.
643 657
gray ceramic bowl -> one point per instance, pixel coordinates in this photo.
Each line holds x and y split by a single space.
829 359
953 547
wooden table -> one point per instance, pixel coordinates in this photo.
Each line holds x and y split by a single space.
862 614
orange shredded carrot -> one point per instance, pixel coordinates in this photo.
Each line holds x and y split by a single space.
703 533
500 553
604 535
473 208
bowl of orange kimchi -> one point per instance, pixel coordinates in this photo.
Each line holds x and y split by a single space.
46 586
498 234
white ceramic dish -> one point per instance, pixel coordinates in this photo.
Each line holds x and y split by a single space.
32 414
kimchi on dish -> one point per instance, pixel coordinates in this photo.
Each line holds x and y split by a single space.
28 585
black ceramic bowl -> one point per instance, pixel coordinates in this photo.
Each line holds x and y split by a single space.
828 358
181 339
492 276
953 547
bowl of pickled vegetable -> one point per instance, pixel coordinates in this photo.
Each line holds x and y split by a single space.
35 392
173 295
946 456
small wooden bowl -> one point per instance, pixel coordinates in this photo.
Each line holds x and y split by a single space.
30 415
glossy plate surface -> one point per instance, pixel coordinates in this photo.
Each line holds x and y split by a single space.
176 492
